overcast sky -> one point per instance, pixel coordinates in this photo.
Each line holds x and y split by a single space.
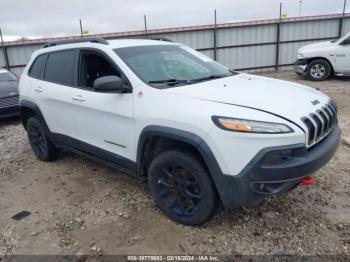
46 18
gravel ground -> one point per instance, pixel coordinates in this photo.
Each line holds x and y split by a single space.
80 207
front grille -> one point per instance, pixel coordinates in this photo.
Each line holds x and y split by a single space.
9 101
321 122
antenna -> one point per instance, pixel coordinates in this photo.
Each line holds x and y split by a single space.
81 28
145 22
300 7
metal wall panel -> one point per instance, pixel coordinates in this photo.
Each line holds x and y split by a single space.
246 35
195 39
309 29
245 57
288 51
229 36
346 26
209 53
20 55
17 71
2 59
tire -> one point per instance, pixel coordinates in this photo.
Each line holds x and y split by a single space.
182 188
318 70
41 144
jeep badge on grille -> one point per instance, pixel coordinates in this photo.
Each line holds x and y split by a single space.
315 102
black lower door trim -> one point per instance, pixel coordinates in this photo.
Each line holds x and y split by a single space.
95 153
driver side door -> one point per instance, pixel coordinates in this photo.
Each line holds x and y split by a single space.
342 57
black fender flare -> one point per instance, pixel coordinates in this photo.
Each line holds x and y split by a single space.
191 139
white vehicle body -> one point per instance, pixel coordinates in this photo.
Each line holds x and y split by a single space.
116 122
336 53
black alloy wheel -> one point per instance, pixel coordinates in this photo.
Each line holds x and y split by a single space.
180 190
182 187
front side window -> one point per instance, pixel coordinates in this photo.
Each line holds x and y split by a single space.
164 66
60 67
37 68
93 66
7 77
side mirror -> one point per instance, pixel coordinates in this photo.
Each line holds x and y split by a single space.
112 84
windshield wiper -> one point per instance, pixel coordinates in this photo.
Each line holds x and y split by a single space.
168 81
208 78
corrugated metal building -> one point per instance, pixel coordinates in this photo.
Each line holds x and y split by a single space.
254 45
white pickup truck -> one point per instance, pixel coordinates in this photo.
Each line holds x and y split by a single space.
318 61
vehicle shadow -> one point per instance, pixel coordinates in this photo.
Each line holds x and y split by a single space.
289 210
10 121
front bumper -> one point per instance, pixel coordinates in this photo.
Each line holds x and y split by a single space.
300 66
9 111
9 107
260 178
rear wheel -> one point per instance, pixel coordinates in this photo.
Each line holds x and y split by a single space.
318 70
42 146
182 188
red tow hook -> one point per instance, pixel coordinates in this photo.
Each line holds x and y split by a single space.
307 181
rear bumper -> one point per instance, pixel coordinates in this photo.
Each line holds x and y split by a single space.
9 111
300 66
261 177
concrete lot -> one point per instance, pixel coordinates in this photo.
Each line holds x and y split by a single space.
80 207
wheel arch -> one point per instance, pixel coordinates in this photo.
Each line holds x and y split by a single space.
309 60
183 138
29 109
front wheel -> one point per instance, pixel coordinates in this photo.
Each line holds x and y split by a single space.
182 188
318 70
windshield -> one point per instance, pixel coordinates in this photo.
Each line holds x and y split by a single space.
164 66
340 39
7 76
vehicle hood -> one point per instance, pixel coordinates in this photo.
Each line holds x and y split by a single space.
8 89
316 46
285 99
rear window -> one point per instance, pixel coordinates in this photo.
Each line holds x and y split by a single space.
7 76
37 68
60 67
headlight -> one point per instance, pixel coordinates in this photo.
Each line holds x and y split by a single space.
250 126
300 56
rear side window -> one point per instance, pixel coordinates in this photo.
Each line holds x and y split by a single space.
60 67
37 68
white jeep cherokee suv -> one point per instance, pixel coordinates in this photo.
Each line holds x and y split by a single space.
318 61
201 134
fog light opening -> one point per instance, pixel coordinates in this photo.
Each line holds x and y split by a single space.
307 181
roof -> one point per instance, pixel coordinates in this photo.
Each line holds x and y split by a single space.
112 44
119 43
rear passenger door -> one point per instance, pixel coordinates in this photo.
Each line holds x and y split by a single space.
55 92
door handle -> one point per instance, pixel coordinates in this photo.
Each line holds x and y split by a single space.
78 98
38 89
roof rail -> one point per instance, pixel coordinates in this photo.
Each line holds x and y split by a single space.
161 39
98 40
